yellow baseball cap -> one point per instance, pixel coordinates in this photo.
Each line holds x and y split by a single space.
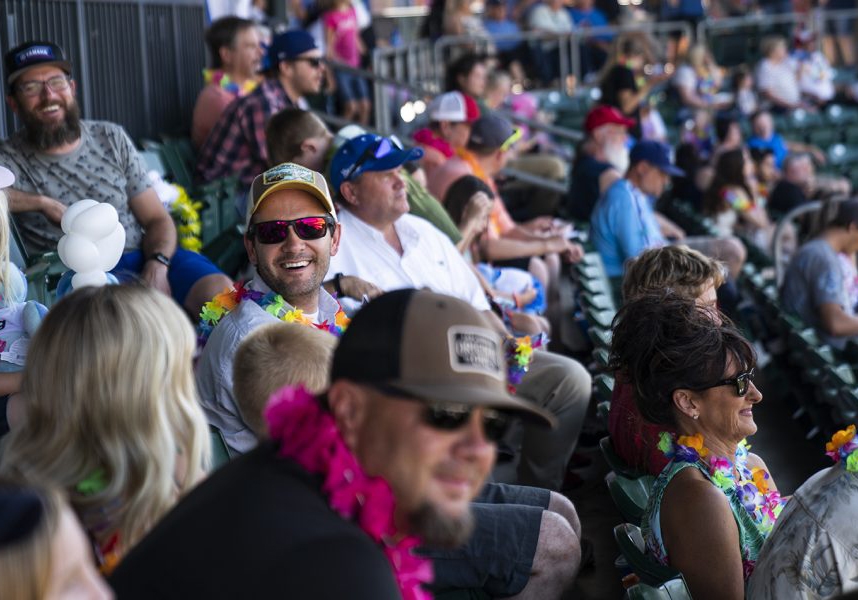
289 176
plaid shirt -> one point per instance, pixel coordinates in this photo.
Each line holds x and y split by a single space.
236 145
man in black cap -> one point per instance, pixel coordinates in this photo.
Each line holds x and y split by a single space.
333 505
236 144
58 159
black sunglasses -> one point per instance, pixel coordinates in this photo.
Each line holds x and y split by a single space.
742 381
306 228
450 416
379 149
313 62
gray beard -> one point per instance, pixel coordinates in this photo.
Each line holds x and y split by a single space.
43 137
438 530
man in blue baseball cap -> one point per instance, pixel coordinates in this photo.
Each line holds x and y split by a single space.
236 145
624 222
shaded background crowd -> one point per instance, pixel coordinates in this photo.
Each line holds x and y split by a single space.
649 205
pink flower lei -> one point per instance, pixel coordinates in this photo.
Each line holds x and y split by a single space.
309 436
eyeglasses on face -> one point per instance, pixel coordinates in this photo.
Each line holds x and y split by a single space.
742 382
32 88
306 228
313 61
450 416
379 149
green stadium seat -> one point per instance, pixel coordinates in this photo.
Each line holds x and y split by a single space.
220 451
675 589
630 495
630 541
617 464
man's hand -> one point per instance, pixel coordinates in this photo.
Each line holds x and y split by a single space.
357 288
52 209
155 274
671 230
574 253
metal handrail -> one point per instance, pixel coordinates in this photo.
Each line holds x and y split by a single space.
818 18
783 224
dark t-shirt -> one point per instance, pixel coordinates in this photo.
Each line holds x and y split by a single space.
257 528
617 79
785 197
584 190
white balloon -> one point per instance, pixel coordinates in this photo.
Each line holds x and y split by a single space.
110 248
95 222
91 278
79 254
73 211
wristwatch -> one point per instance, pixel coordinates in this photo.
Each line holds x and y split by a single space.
161 258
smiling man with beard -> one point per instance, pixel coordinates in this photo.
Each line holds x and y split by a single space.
58 159
389 457
292 232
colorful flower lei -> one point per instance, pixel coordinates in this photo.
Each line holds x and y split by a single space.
843 447
519 354
309 436
186 212
222 80
96 522
272 303
752 488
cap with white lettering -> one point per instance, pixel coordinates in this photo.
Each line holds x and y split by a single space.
431 347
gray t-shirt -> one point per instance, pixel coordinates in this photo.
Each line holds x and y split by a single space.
814 278
104 167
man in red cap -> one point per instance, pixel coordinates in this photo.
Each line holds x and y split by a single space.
602 158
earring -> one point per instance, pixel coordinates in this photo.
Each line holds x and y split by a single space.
694 416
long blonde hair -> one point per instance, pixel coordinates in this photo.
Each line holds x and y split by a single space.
108 393
25 565
9 287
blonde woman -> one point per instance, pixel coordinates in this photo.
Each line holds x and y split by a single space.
109 412
43 550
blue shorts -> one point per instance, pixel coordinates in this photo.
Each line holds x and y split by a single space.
186 268
499 556
351 87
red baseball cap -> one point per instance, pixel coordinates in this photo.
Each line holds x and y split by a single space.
605 115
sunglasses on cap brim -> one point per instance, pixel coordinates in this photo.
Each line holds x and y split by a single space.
516 135
377 150
306 228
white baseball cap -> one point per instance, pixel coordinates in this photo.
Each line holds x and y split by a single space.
454 107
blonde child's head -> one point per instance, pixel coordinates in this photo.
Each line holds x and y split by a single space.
275 356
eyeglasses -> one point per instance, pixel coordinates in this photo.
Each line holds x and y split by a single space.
378 149
275 232
312 61
450 416
60 83
742 381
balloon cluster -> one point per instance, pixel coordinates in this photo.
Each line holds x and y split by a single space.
93 242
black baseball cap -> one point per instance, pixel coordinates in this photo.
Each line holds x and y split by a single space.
431 347
33 54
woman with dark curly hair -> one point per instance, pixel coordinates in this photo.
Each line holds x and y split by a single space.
713 505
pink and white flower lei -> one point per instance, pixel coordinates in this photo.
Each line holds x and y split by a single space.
308 435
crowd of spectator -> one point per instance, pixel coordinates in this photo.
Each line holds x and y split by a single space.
387 343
